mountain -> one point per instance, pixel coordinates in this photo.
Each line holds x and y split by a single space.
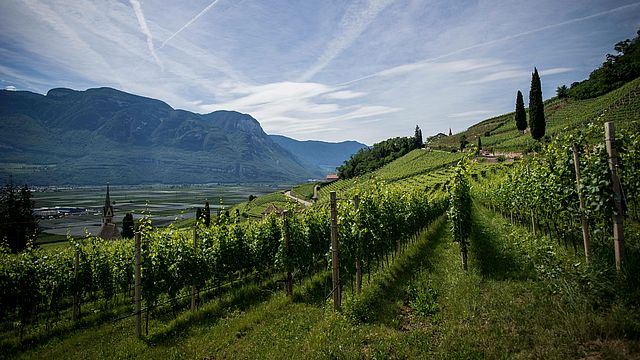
324 155
105 135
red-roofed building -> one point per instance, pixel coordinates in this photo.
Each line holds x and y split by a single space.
332 177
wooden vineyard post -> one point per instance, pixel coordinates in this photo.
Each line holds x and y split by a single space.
75 313
137 293
356 204
583 218
194 290
335 254
618 233
289 282
533 217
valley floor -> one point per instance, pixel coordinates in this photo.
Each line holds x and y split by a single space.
509 304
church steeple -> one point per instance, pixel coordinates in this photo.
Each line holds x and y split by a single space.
107 210
109 229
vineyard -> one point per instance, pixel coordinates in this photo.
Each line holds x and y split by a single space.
39 287
500 133
438 255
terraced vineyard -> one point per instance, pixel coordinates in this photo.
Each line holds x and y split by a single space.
516 228
500 133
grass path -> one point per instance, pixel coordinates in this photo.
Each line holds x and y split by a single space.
511 305
503 307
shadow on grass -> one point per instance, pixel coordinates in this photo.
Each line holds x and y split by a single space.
11 345
240 298
377 302
493 261
314 290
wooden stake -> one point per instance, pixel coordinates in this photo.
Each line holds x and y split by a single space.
463 257
533 223
194 290
618 233
586 237
289 283
75 313
138 289
356 204
335 253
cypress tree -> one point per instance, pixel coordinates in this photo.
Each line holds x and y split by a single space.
18 224
418 138
521 114
536 107
207 214
127 226
479 143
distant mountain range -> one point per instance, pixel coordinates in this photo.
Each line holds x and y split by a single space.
104 135
319 154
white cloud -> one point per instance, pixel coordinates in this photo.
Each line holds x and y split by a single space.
354 22
10 88
471 114
137 8
435 64
188 23
344 95
556 71
500 75
514 73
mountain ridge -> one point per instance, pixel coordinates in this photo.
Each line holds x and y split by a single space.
106 135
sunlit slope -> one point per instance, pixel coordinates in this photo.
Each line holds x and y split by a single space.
418 169
500 133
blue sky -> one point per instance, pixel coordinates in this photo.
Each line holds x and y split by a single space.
327 70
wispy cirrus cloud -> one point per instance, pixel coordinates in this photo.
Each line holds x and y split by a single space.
188 23
354 22
435 64
137 8
344 95
470 114
410 67
301 107
514 73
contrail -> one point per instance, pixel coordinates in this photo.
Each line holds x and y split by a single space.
188 23
354 22
488 43
137 8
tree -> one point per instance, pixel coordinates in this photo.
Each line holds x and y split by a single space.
372 158
127 226
418 138
463 142
521 113
207 214
18 224
537 123
617 70
562 91
479 143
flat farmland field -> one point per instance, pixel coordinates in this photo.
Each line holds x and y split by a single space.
164 203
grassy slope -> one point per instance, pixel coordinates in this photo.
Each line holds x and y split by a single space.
621 105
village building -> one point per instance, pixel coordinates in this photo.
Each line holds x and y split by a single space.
332 177
109 229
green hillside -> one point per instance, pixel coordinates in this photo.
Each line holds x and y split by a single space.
500 134
527 292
